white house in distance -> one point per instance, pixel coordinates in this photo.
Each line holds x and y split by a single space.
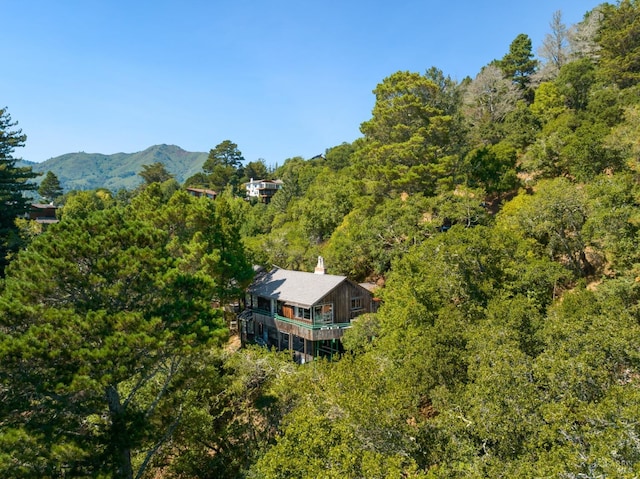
262 189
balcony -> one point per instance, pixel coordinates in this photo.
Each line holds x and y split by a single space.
303 328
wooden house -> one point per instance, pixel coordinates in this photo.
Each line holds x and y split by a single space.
43 213
305 313
198 192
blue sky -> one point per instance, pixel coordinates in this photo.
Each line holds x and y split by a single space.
281 78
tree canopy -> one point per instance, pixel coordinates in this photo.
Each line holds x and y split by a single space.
155 173
110 332
14 187
223 166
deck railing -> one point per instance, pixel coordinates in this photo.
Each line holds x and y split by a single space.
302 323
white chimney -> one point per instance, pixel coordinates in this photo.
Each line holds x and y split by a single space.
320 269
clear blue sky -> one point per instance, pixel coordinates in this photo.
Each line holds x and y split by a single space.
280 78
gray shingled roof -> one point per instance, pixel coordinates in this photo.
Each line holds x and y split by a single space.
296 287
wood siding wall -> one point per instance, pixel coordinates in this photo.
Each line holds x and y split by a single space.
341 299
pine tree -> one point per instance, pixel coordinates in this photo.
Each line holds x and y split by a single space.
155 173
518 65
50 187
96 354
14 184
224 166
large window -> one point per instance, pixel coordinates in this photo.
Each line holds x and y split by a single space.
264 304
323 313
303 313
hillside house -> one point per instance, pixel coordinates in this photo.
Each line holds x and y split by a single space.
262 189
43 213
305 313
198 192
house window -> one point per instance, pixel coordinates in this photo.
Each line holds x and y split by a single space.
356 303
264 304
323 313
304 313
250 327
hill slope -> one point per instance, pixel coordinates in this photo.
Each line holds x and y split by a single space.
85 171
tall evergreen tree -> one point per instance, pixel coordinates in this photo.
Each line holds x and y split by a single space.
14 186
224 166
225 154
407 140
518 65
50 187
232 271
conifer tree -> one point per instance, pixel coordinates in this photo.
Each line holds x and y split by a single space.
50 187
518 65
618 39
224 166
14 184
96 354
155 173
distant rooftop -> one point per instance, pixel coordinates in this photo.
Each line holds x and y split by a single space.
202 192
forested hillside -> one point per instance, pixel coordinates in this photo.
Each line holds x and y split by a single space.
499 217
87 171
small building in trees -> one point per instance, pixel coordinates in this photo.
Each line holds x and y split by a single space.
44 213
198 192
262 189
305 313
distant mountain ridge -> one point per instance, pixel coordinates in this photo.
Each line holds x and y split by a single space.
87 171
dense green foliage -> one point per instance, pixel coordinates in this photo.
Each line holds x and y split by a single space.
502 216
224 169
14 188
98 353
500 219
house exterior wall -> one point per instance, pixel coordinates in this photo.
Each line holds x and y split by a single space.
341 297
262 189
43 213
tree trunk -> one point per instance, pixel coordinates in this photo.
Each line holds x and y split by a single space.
121 454
587 268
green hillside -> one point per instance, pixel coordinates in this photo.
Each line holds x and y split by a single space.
85 171
497 221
